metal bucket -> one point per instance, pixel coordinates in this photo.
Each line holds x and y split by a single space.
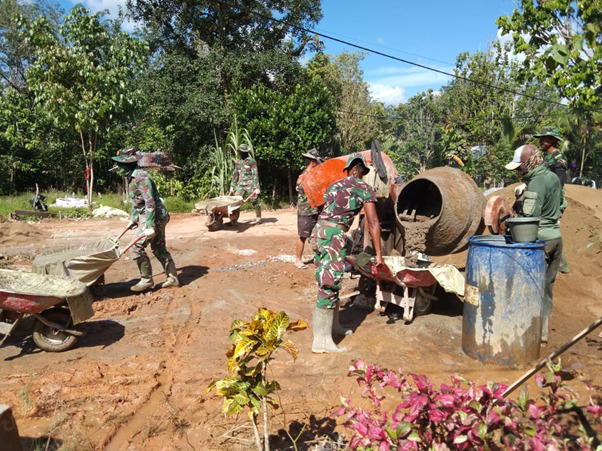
452 199
503 300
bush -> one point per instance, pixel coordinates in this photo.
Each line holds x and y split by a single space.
461 415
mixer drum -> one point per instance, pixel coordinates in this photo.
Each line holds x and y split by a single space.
453 201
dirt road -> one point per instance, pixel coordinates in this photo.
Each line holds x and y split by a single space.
138 379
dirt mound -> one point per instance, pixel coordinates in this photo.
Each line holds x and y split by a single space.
19 233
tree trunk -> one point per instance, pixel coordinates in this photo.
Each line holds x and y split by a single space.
256 432
274 192
266 435
291 199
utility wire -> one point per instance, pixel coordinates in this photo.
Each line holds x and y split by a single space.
376 52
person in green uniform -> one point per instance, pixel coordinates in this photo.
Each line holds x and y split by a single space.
307 216
543 199
245 181
150 214
553 158
343 200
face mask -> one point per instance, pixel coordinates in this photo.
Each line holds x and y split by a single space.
123 170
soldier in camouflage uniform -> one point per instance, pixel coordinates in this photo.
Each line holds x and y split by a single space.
553 157
344 199
307 216
245 181
149 212
556 162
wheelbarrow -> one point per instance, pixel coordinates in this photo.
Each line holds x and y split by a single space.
57 303
85 262
412 289
218 208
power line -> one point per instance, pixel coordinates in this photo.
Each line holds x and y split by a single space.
376 52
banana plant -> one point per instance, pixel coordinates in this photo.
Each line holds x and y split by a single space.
247 387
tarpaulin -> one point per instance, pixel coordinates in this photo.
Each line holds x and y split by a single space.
85 262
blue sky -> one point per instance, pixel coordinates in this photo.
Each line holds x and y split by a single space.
430 32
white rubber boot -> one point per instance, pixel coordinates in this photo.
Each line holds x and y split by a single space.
337 329
322 324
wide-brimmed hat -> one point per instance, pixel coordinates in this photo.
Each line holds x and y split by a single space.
522 154
549 131
355 157
129 155
313 154
243 148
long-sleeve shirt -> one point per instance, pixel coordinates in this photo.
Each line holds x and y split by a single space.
245 175
543 198
146 202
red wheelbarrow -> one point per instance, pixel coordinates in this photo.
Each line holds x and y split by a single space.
58 305
410 288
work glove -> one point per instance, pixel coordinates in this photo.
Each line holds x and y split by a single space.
149 234
519 190
230 192
132 225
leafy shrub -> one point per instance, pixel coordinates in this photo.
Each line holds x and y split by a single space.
247 386
459 416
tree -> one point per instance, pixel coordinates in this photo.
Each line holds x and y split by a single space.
285 126
83 78
562 44
357 120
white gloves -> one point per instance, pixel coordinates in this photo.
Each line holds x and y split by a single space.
149 233
257 191
519 190
132 225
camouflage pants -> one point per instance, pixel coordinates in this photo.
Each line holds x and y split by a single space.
157 243
245 192
330 250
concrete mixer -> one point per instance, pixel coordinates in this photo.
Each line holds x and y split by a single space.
434 214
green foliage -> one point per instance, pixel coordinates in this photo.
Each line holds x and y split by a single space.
83 78
562 44
247 387
342 76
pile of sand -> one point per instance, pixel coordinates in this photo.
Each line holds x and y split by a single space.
19 233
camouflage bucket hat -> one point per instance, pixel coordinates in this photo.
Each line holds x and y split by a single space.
243 148
313 154
129 155
354 157
549 131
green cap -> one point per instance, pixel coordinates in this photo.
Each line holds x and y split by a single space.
313 154
549 131
129 155
354 157
243 148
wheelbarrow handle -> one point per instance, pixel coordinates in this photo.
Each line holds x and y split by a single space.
123 233
138 238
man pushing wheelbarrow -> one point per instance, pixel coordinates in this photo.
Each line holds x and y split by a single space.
150 214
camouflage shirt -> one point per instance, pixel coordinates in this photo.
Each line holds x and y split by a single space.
245 175
556 162
303 207
345 198
146 203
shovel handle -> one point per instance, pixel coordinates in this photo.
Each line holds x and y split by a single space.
138 238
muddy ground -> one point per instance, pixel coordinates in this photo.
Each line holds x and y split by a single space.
138 379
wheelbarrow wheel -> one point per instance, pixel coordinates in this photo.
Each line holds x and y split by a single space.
50 339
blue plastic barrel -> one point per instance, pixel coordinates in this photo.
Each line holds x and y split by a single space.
503 300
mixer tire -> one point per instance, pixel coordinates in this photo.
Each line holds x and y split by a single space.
377 160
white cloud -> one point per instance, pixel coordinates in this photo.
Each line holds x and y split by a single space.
112 6
391 84
380 41
507 39
389 95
